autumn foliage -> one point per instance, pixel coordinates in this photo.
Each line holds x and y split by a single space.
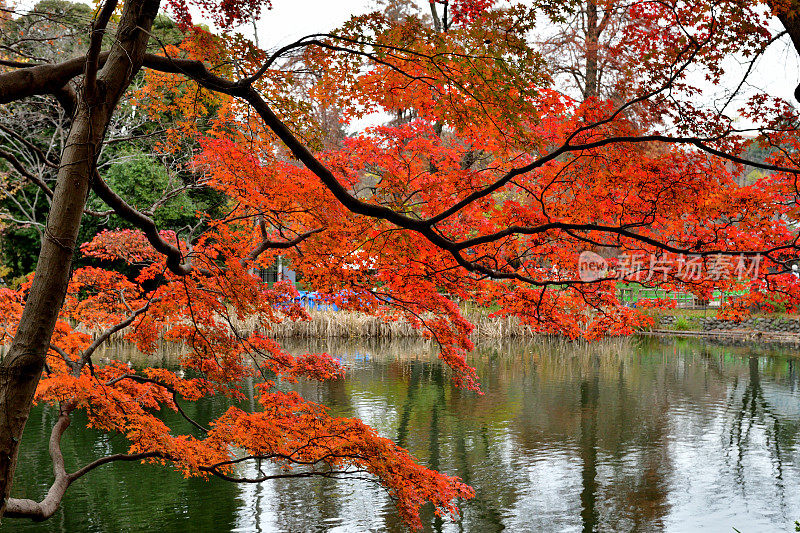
484 183
291 431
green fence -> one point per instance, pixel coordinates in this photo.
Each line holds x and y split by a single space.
631 295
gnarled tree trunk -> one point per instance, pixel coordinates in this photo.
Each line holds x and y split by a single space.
97 96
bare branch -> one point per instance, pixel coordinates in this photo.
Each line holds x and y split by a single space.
30 146
20 168
25 508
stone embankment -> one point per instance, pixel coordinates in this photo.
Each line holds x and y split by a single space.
710 323
754 329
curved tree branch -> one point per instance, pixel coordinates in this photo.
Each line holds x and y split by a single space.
140 220
197 71
25 508
104 336
41 79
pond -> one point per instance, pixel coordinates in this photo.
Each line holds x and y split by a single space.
624 435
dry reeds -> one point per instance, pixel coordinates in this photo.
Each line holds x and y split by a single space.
324 324
350 324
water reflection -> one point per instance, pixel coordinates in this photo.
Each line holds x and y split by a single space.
624 436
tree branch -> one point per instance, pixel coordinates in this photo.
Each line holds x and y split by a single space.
93 55
199 72
143 222
41 79
267 244
143 379
14 162
103 337
110 459
30 146
25 508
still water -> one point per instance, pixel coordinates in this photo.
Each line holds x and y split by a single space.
637 435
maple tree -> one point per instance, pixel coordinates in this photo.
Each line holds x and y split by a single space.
487 187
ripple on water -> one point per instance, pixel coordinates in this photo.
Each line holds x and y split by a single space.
680 436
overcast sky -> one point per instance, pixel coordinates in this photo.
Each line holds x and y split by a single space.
290 19
777 72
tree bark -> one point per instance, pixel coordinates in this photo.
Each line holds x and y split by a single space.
591 89
789 15
22 366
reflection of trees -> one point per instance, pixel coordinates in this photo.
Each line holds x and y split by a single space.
756 411
608 407
597 415
434 413
531 399
434 450
408 404
613 405
590 392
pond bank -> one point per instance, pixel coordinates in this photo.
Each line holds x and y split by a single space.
767 324
733 336
352 324
344 324
771 329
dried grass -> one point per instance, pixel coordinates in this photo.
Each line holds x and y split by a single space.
324 326
350 324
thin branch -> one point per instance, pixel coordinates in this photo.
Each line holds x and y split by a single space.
103 337
36 180
142 379
30 146
267 244
110 459
19 167
64 355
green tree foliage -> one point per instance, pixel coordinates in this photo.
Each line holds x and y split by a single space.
154 182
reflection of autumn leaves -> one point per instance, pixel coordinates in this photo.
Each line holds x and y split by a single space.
480 102
297 434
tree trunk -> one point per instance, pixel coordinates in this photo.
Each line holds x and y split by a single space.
22 366
789 15
591 89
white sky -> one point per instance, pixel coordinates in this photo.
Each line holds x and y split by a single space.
289 20
777 72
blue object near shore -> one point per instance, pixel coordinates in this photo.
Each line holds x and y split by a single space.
311 300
